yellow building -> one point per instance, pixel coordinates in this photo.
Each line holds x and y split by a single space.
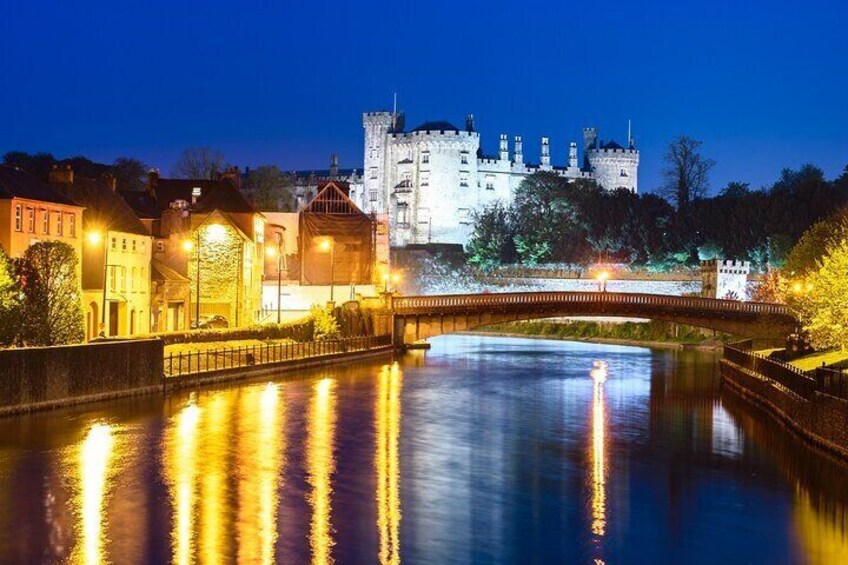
31 211
117 251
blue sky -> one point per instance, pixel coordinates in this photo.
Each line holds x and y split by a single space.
763 84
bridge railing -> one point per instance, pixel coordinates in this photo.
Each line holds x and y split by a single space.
425 304
786 375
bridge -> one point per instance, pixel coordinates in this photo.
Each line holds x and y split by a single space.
419 317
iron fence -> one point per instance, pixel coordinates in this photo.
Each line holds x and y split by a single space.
790 377
194 362
832 381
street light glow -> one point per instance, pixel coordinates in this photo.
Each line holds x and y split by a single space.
94 237
188 245
216 232
326 244
270 252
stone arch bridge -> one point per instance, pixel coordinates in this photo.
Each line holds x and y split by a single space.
419 317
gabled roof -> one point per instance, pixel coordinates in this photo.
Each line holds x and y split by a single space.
104 208
142 203
15 183
214 195
332 200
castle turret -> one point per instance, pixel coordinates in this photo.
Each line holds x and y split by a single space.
334 167
469 123
503 152
572 155
519 151
590 141
546 154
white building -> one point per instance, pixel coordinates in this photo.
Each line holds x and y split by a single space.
431 179
725 278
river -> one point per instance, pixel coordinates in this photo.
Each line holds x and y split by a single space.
481 450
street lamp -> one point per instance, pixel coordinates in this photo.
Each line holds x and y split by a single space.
281 257
328 245
602 281
94 238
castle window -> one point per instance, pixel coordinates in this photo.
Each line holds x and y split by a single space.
425 179
463 179
402 215
623 173
490 182
425 157
464 216
373 172
373 195
463 158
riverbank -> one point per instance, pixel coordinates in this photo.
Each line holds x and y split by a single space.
662 335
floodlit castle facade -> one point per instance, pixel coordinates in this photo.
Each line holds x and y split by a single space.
431 179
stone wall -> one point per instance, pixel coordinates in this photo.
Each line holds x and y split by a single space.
822 419
44 377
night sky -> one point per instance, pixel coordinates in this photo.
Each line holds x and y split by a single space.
763 83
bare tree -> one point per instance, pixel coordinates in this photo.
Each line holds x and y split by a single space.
199 163
686 172
270 189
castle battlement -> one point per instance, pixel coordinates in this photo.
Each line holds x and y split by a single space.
615 151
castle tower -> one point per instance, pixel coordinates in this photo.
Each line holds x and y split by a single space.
377 127
572 155
334 167
503 152
469 123
546 154
519 151
590 141
614 167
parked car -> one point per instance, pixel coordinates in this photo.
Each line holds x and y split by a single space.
211 322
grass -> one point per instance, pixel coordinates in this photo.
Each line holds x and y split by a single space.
813 360
225 344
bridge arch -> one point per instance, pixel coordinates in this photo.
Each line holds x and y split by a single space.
420 317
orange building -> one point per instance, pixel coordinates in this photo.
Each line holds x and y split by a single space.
32 211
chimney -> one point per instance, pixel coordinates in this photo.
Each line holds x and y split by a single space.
62 174
111 181
334 167
469 123
572 155
503 153
546 153
232 174
519 152
152 181
196 193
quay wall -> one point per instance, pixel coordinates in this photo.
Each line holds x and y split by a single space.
35 378
820 418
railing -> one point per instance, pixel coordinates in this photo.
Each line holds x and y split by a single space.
194 362
784 374
434 304
832 381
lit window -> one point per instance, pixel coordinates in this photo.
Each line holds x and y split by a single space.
72 224
45 222
114 244
60 231
31 220
19 218
124 244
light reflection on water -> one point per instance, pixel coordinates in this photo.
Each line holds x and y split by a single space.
483 449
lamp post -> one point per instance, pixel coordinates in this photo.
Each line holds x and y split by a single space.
329 245
95 237
602 281
281 258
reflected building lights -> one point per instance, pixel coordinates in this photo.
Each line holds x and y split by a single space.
180 462
214 471
599 511
96 456
387 461
320 467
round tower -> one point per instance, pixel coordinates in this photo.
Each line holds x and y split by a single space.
614 167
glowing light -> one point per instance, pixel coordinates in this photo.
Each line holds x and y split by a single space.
797 287
599 518
396 278
216 233
181 469
602 276
188 245
95 456
94 237
270 252
214 471
326 244
822 532
387 423
320 467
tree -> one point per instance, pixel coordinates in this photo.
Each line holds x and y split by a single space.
38 165
687 172
270 189
10 303
814 244
325 324
491 243
199 163
52 305
129 173
823 308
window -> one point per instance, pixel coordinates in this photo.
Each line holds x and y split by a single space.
123 279
463 158
45 222
402 215
112 278
623 173
463 179
114 244
19 218
374 195
142 286
134 246
425 179
373 172
60 227
132 280
31 220
425 157
490 185
124 244
72 224
464 216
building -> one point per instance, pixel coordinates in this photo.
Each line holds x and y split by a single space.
208 250
32 211
117 253
431 179
307 183
725 278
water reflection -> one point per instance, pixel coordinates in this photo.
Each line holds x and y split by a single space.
216 442
261 458
180 469
598 451
320 465
387 421
95 456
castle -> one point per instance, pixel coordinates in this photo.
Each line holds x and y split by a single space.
431 179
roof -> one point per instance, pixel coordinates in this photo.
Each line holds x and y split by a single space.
611 145
332 200
142 203
15 183
214 195
436 126
161 272
103 206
